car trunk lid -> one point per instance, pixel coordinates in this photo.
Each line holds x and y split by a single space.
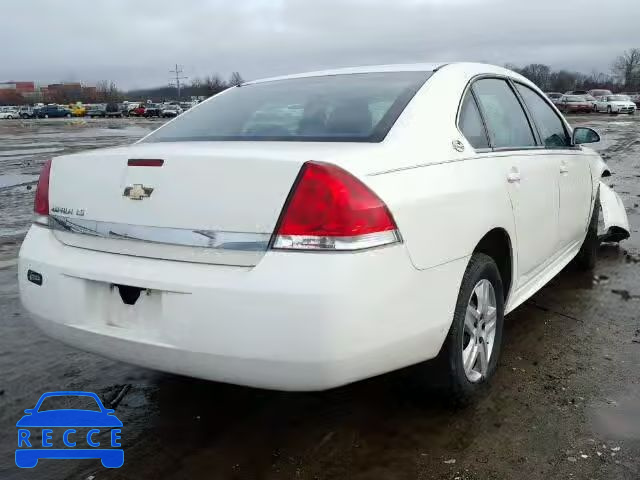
200 202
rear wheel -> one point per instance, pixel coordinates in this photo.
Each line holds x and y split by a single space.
472 347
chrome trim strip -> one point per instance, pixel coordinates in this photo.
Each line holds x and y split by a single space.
219 240
319 243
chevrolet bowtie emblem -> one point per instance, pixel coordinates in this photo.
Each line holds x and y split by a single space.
137 192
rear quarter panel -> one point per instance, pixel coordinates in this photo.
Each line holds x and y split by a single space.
444 210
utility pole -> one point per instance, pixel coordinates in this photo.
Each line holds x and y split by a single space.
177 79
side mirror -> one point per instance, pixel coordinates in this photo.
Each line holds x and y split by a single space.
585 135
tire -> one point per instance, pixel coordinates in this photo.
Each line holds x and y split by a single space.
463 385
609 110
46 115
68 115
587 256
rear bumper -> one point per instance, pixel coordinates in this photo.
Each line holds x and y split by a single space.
296 321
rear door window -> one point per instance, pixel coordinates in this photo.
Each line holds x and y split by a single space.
506 121
470 123
551 127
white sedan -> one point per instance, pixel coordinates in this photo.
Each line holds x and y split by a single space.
308 231
9 113
615 104
170 111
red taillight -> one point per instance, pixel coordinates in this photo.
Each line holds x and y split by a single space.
41 204
331 209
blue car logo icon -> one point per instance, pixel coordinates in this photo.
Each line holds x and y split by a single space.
66 431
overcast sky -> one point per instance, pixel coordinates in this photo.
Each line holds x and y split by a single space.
135 42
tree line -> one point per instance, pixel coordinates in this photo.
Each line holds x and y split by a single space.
198 87
107 91
624 75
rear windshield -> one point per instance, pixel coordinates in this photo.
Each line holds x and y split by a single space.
575 99
347 108
618 98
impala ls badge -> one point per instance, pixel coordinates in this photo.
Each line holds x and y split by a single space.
137 192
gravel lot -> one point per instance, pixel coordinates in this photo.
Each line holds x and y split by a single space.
565 402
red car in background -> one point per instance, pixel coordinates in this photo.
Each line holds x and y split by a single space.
574 104
137 112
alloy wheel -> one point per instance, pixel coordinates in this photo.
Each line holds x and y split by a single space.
479 331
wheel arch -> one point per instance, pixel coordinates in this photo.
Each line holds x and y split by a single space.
497 244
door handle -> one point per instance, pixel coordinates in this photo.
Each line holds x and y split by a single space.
513 176
564 168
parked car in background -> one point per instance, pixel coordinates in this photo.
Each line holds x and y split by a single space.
574 104
77 110
554 97
283 264
127 106
634 97
599 92
27 112
592 101
113 110
616 104
137 111
576 92
96 111
9 113
53 111
152 110
171 111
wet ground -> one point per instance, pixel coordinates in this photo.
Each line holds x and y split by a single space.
565 403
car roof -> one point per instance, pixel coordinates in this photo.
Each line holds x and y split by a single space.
471 68
400 67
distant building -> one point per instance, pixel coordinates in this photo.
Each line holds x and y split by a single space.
19 87
90 94
25 87
64 92
13 92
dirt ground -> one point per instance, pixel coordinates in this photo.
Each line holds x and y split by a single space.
565 403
